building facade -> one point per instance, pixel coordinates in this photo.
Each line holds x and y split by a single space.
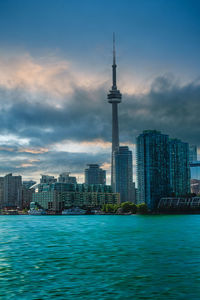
153 167
12 191
95 175
59 196
179 168
162 168
123 174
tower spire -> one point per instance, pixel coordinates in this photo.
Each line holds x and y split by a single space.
114 66
114 48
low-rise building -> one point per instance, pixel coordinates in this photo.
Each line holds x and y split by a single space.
59 196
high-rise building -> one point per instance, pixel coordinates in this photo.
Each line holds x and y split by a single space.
114 97
65 178
192 153
123 173
95 175
12 191
179 167
153 167
162 167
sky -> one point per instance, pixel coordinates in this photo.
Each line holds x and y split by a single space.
55 73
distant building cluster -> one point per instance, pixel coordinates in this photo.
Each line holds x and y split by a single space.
54 194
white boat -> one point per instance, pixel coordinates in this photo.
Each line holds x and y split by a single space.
74 211
36 212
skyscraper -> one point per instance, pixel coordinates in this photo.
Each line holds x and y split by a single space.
95 175
179 167
123 173
162 167
114 97
12 191
153 167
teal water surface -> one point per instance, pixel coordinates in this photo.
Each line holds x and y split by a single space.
100 257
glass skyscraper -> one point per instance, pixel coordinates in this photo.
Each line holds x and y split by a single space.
179 167
153 168
123 173
162 167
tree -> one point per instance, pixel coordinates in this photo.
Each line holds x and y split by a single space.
128 207
142 208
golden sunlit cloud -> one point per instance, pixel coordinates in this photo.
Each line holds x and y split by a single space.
85 146
106 166
25 165
53 75
33 151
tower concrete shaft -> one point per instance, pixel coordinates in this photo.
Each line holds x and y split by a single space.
114 97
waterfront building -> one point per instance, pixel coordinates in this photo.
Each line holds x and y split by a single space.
59 196
153 167
162 167
12 191
123 173
192 153
95 175
27 196
66 178
179 168
114 97
45 181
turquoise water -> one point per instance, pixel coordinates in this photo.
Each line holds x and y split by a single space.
100 257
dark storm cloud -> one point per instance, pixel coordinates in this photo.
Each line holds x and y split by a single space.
86 115
49 162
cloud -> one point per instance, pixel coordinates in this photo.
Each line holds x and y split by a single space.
63 120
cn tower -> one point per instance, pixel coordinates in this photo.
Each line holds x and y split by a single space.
114 97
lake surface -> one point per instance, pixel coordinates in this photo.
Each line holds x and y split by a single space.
100 257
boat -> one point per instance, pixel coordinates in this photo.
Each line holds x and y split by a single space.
74 211
35 211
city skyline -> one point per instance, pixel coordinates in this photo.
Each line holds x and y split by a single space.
55 74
